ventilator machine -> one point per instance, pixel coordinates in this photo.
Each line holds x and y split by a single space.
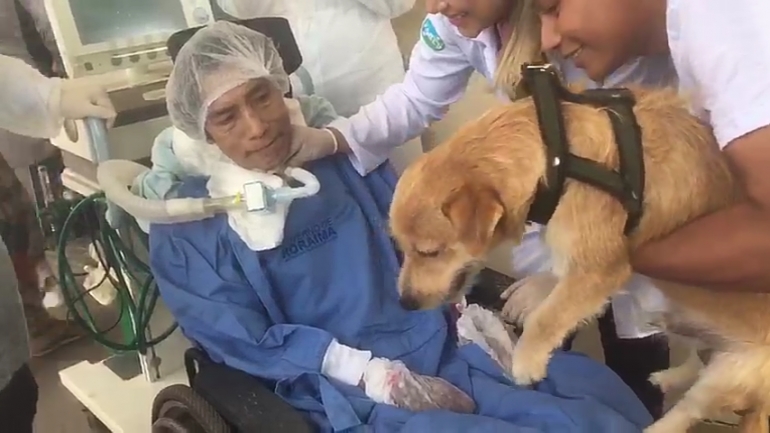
120 45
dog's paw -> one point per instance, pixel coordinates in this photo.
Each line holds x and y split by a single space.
664 426
528 366
525 295
666 380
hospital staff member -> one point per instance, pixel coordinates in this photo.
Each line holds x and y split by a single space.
721 51
35 106
457 38
348 47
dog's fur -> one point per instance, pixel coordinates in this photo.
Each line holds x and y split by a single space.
459 201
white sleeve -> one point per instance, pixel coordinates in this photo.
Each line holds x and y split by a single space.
388 8
723 49
437 77
28 99
344 363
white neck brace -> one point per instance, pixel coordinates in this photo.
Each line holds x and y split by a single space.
259 231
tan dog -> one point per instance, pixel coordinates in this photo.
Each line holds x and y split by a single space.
459 201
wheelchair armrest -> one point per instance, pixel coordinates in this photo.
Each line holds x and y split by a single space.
246 402
490 284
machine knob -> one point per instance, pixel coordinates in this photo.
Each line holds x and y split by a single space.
200 15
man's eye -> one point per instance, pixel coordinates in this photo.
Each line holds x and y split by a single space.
261 98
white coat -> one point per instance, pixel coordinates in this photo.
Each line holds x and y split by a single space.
348 46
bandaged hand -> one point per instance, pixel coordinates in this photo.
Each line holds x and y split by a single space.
485 329
390 382
309 144
78 101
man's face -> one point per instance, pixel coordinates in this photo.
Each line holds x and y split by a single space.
251 125
471 17
598 35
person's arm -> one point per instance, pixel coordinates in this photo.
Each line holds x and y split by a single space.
437 77
388 8
219 310
36 106
730 249
27 96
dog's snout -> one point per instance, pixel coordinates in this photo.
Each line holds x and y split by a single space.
409 303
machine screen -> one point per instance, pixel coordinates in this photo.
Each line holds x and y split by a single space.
105 20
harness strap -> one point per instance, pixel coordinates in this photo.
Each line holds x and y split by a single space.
543 85
627 185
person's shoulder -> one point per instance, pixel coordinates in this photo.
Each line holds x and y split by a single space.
317 110
436 32
739 22
189 187
722 53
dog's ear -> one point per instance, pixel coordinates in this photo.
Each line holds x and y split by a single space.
475 212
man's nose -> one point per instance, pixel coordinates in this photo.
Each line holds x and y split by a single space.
550 38
257 127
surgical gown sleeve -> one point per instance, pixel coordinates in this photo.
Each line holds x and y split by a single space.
27 98
218 309
437 77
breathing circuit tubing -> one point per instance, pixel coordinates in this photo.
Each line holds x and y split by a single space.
114 255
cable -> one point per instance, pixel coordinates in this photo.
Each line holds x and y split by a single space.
113 254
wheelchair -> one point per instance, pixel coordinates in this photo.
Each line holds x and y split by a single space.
220 399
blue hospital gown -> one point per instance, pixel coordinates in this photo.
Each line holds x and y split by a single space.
273 313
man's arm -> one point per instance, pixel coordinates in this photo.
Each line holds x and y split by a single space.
730 249
218 309
725 66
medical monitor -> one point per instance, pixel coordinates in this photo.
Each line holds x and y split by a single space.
100 36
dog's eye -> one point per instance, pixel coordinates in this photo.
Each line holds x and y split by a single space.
429 254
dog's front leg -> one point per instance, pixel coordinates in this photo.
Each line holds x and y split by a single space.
578 297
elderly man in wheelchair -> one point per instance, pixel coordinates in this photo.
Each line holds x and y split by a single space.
302 293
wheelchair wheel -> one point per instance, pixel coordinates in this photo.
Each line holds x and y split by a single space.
179 409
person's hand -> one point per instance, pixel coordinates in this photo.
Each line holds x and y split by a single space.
390 382
79 101
525 295
309 144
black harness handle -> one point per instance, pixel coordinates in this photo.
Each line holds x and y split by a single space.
626 185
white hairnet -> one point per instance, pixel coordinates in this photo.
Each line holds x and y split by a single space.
218 58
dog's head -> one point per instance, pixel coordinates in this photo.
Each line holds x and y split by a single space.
445 230
460 200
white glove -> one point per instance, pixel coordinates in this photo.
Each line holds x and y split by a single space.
309 144
78 101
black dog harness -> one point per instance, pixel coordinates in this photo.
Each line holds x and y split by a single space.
626 184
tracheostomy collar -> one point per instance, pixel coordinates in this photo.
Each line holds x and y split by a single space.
257 203
261 198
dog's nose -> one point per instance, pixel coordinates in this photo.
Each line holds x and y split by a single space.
409 303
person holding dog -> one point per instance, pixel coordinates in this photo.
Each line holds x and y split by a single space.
457 38
721 52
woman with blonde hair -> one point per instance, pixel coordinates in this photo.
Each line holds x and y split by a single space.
493 38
